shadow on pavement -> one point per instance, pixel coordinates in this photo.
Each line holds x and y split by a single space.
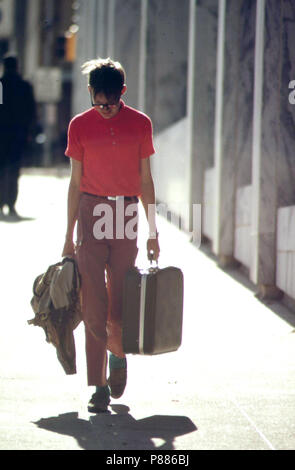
119 430
14 218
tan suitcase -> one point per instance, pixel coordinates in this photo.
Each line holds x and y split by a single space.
152 310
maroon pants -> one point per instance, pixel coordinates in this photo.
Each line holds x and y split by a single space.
104 253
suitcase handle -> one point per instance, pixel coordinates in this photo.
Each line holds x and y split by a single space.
153 269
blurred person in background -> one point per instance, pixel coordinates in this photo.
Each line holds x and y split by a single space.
17 118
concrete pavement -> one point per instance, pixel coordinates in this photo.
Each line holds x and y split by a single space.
230 386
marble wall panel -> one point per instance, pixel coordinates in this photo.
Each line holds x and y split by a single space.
225 158
235 167
286 155
265 145
270 129
86 50
245 84
203 99
274 181
205 79
126 44
167 59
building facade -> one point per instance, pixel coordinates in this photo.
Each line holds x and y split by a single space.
217 78
39 33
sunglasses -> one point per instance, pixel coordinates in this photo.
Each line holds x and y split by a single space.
106 105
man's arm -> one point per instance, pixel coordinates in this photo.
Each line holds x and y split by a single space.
73 205
148 201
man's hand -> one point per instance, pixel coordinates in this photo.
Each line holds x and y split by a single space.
69 248
153 249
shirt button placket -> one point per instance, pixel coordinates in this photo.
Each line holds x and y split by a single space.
113 136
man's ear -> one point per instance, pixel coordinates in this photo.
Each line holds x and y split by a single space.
124 89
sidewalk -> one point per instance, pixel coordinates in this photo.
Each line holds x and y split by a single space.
230 386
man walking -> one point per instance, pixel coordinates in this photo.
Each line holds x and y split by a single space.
17 116
109 146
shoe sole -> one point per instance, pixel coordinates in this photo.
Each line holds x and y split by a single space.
97 410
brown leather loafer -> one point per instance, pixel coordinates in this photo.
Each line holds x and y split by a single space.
117 381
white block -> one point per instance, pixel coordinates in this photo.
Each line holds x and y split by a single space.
208 204
281 271
242 249
243 206
286 229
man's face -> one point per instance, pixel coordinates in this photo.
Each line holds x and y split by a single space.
111 108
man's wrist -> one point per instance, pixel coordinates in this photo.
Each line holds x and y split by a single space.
153 234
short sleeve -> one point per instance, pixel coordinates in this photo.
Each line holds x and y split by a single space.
74 148
147 146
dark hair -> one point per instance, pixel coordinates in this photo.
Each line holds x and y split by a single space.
105 76
10 63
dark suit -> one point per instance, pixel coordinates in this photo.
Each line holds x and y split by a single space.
17 115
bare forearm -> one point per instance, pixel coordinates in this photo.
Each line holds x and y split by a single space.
148 201
73 206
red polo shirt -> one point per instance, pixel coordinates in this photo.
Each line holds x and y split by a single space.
110 150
